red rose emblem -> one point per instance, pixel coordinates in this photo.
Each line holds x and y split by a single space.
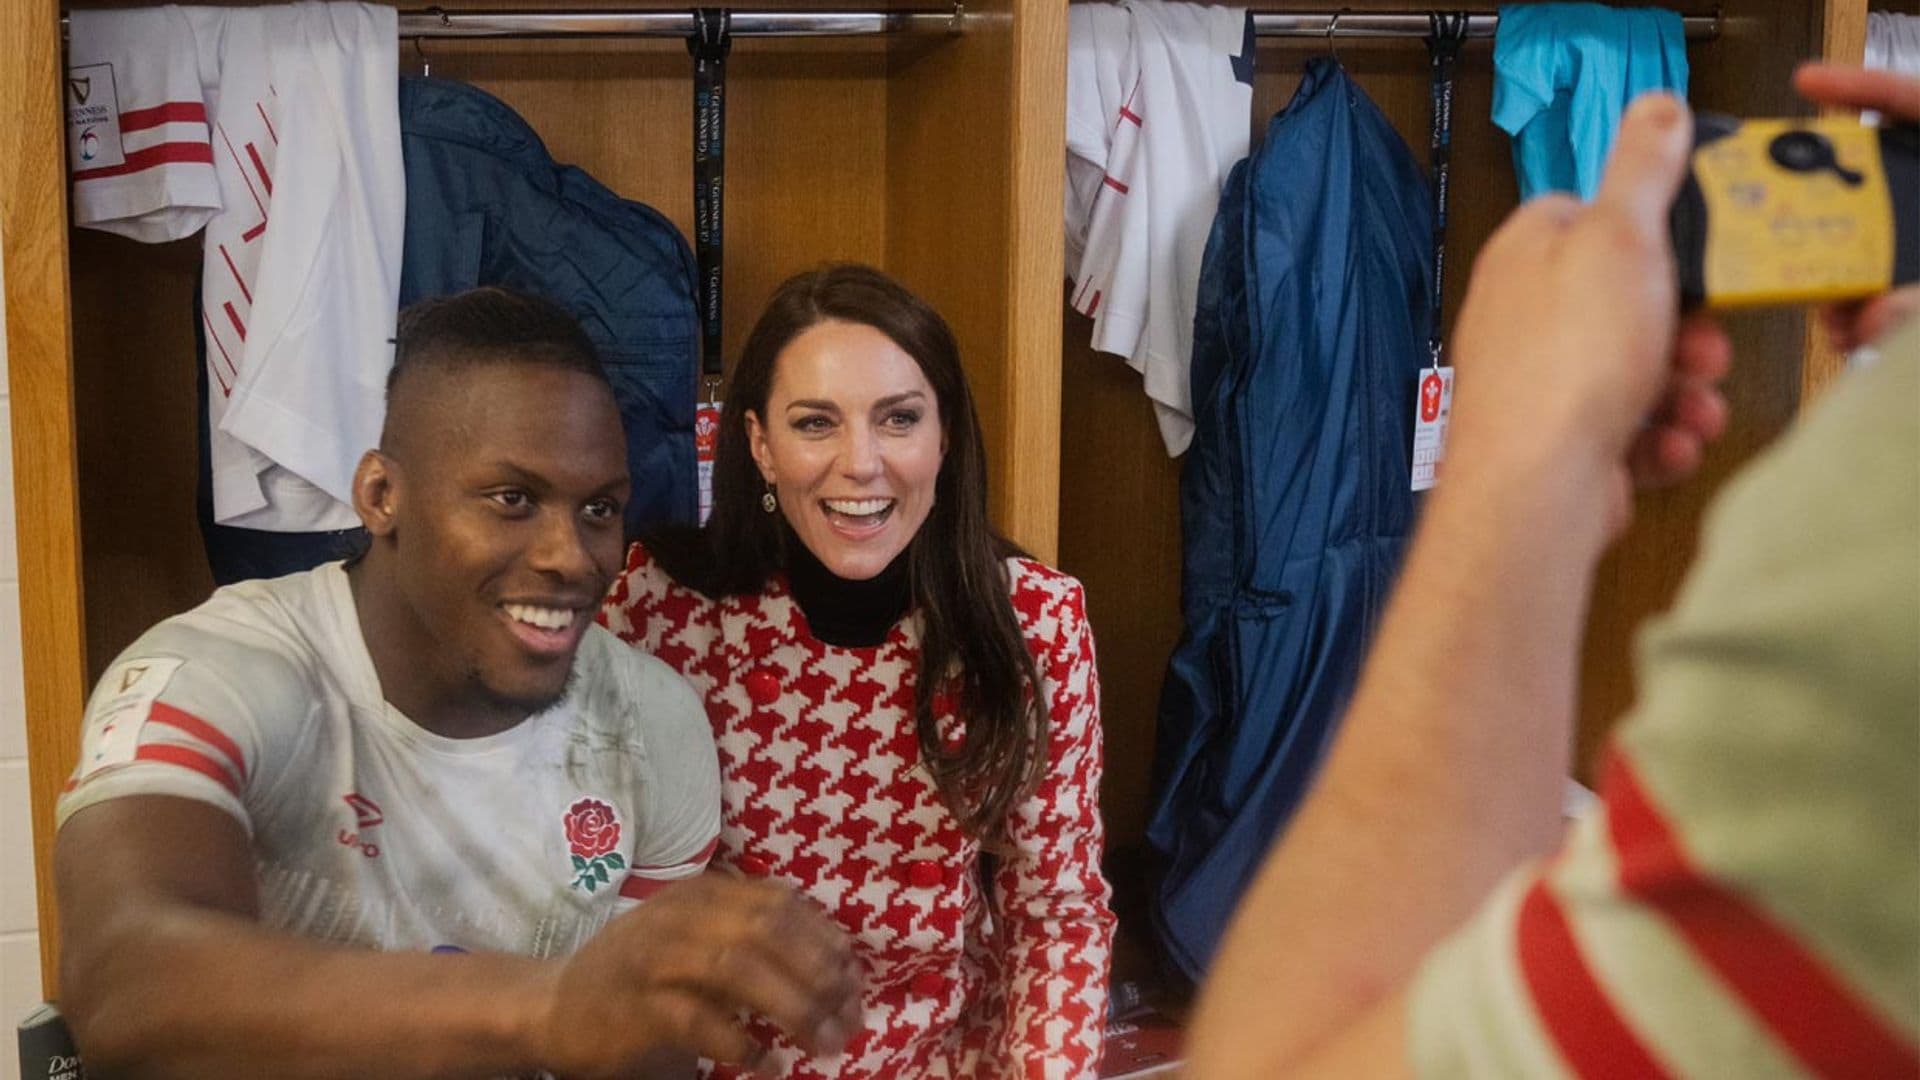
593 829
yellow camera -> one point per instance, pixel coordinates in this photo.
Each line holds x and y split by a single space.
1797 212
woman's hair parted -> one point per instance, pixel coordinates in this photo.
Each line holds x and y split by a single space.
955 562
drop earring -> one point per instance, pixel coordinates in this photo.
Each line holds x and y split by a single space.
768 502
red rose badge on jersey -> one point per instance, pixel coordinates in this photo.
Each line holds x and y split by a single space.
593 834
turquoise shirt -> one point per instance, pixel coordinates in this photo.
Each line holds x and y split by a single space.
1564 74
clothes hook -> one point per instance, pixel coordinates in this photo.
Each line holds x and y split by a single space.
1333 28
419 43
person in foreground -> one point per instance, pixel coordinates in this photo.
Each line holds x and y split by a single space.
906 709
288 796
1746 901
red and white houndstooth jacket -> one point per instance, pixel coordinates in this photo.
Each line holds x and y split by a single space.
823 787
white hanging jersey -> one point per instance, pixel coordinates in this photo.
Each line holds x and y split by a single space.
1893 44
277 128
137 136
369 830
1159 101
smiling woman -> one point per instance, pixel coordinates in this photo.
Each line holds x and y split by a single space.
905 706
851 445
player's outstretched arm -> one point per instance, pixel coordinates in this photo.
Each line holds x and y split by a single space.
166 971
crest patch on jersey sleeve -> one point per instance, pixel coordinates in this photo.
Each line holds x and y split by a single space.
122 703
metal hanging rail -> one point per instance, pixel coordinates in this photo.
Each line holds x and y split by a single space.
1377 24
437 22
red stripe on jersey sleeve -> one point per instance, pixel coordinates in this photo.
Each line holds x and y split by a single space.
163 713
188 758
166 153
1793 992
1595 1041
635 887
173 112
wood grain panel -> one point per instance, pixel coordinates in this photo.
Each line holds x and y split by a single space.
1120 534
133 384
974 130
1038 130
40 385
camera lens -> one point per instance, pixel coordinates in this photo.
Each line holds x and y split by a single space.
1802 151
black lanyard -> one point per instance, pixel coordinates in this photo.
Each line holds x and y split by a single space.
709 45
1448 31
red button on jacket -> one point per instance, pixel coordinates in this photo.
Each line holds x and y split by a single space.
753 866
924 873
929 984
763 687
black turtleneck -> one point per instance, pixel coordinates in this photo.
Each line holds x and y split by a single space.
849 614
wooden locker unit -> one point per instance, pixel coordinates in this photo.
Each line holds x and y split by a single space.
1119 517
935 157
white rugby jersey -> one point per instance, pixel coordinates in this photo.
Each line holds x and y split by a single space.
277 129
1158 96
368 829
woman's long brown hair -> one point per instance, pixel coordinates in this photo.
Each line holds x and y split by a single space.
956 562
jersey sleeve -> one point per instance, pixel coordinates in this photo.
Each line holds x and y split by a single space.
681 819
1742 902
1526 70
138 142
1052 898
188 714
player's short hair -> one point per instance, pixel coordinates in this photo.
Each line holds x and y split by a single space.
489 325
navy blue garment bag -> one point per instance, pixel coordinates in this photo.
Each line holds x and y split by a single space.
487 205
1296 504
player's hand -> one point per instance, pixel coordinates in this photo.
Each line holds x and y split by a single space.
677 973
1573 360
1839 87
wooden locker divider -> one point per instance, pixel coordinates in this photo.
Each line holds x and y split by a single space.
33 212
1843 35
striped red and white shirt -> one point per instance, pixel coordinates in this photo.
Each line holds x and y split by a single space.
1746 900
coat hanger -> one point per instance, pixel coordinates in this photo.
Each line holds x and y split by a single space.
1333 28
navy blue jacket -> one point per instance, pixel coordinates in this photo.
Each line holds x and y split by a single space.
487 205
1295 498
